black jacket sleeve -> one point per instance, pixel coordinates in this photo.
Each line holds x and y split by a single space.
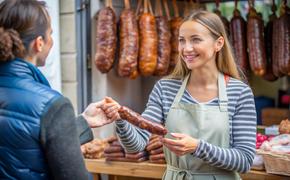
84 131
60 137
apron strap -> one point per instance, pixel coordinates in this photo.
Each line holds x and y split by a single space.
222 91
181 90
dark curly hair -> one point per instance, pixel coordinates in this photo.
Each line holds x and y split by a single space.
11 45
21 21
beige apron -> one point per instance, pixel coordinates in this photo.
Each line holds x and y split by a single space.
200 121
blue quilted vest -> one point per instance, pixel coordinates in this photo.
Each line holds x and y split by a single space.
25 95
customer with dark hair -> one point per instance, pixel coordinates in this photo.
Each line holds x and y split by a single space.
40 137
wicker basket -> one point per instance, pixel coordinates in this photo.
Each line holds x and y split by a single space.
276 163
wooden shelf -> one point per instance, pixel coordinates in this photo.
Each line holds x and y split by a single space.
143 169
149 170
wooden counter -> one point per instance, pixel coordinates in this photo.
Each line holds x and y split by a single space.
146 171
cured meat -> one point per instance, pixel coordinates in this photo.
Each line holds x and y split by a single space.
275 48
129 44
269 75
175 23
148 42
164 48
106 40
238 38
225 21
284 40
137 120
255 41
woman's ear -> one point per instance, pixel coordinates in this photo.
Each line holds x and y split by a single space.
219 43
38 44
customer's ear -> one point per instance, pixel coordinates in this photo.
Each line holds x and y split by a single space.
38 44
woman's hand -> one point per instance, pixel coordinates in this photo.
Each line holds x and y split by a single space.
181 145
111 108
95 115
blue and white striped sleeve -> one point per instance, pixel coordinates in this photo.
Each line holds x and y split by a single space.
240 156
133 138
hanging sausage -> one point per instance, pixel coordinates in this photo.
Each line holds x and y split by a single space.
106 40
238 39
255 41
224 19
190 6
186 8
148 41
284 39
269 75
276 56
164 36
175 23
129 43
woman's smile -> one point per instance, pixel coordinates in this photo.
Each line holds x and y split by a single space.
190 58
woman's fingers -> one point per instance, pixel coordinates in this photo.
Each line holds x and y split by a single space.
109 107
116 117
110 100
178 135
171 142
175 149
111 114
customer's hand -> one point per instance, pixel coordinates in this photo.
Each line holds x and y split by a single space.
181 145
111 108
95 115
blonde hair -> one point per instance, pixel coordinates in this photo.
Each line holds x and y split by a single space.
224 60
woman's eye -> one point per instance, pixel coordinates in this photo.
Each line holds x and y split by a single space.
195 40
181 40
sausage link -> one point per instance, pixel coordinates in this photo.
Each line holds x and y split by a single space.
269 75
129 45
224 20
137 120
156 157
255 41
275 48
106 40
285 42
114 155
148 44
154 145
174 27
156 151
164 47
238 37
136 155
113 149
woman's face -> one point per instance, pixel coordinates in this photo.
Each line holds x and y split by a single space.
196 45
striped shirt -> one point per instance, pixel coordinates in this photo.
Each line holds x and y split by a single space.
242 122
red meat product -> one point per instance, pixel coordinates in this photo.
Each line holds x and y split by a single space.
129 45
255 41
137 120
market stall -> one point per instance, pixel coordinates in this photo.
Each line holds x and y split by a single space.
126 66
